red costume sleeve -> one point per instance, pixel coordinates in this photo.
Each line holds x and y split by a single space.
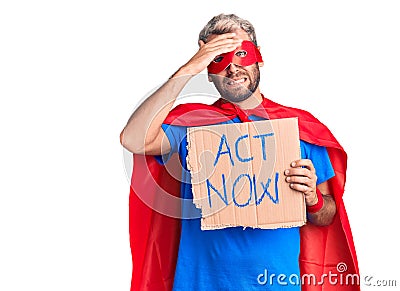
155 237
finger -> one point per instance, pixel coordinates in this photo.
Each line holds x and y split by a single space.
299 172
221 40
211 53
223 49
223 36
300 180
303 163
201 43
300 188
215 43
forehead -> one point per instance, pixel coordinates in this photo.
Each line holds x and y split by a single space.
240 33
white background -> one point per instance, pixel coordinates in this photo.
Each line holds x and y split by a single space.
71 73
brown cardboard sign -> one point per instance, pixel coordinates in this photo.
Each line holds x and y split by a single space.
237 173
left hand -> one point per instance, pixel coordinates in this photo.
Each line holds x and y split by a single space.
302 177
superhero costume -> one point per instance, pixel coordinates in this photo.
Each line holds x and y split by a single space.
155 237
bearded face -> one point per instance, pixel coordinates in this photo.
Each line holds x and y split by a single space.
236 74
236 83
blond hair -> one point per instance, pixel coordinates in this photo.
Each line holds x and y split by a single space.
224 23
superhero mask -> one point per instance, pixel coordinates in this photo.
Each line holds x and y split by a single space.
245 55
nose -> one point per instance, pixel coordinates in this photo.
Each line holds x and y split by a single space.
232 68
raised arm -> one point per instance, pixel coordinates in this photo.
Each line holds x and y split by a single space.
143 133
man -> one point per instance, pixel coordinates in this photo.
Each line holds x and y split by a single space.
233 258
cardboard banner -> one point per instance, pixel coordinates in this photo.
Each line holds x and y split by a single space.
237 174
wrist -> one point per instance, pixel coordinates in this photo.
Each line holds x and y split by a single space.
317 206
311 201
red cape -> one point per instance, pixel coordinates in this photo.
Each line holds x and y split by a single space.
154 236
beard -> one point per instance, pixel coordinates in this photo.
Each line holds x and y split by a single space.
238 86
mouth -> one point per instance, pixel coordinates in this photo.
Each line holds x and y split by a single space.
236 81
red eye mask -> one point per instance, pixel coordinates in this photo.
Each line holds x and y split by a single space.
245 55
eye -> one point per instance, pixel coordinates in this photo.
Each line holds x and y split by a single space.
241 54
218 59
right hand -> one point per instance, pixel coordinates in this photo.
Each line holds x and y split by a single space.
218 45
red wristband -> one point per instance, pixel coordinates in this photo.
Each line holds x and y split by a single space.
316 207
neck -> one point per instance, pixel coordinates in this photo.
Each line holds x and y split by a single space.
252 102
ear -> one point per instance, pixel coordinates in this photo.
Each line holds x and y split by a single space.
260 64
